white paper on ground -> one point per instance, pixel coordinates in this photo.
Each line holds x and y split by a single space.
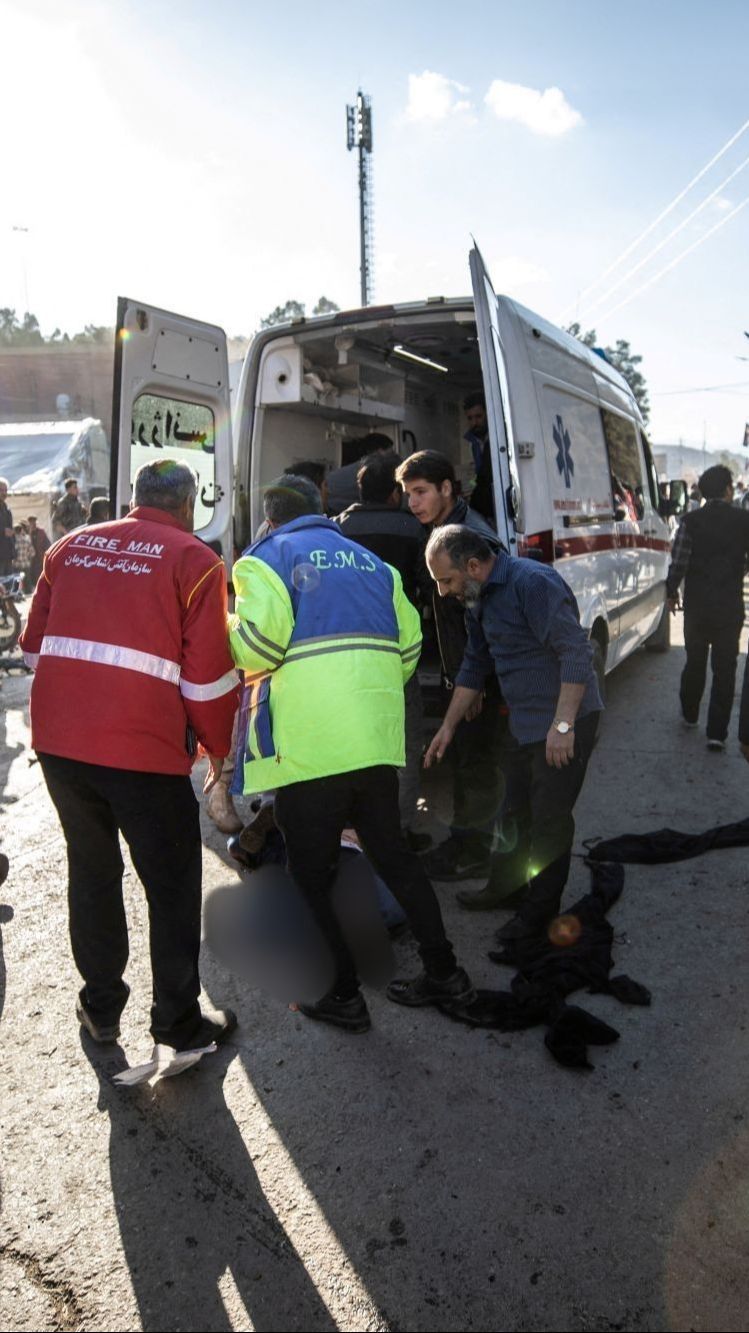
165 1062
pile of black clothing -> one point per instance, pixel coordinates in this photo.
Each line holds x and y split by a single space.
574 952
667 844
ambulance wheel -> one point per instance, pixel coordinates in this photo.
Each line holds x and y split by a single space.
660 640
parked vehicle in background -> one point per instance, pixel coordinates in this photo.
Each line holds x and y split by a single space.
574 479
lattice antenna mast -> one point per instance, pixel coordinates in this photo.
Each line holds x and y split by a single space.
359 135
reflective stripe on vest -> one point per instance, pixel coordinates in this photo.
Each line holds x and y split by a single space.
340 643
213 690
111 654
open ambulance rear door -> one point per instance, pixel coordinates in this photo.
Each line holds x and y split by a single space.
171 400
496 392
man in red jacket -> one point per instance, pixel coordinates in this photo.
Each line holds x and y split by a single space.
127 631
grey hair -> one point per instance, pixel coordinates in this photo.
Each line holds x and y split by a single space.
4 482
290 497
165 484
460 544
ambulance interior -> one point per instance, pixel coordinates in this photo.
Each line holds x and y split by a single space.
321 391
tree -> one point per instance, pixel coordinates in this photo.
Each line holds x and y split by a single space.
13 333
26 332
283 314
724 457
325 307
294 310
623 360
94 333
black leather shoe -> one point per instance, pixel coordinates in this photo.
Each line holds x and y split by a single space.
456 989
452 860
102 1032
417 842
351 1015
519 929
211 1029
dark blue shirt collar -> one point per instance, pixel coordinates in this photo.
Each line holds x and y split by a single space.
500 572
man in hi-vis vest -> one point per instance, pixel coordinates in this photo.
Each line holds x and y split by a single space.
327 640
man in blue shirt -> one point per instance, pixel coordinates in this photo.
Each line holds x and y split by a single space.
524 627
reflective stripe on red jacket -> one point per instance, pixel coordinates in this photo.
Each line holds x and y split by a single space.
127 634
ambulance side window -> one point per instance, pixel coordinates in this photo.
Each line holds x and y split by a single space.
627 481
655 490
170 428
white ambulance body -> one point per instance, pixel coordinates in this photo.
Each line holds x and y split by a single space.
574 479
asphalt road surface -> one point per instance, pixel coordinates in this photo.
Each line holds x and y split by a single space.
422 1176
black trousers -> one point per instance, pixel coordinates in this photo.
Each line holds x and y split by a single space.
312 815
703 631
538 827
157 814
477 757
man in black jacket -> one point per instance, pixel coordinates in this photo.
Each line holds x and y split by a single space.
379 523
711 555
428 478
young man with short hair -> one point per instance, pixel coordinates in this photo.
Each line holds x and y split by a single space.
68 513
428 478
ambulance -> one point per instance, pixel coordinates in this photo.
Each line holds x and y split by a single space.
574 479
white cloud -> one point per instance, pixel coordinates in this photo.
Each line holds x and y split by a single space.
546 112
434 97
510 272
721 203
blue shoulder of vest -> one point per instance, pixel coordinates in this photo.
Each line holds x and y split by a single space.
310 551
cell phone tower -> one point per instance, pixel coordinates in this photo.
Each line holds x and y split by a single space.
359 135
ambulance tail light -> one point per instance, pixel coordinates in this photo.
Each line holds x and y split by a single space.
537 546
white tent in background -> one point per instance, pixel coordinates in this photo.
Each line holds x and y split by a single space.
37 456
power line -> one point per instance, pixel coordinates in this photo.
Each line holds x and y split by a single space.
668 209
672 264
705 388
661 244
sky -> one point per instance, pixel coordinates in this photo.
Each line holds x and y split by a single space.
192 154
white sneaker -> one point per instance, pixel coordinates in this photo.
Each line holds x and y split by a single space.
716 745
689 726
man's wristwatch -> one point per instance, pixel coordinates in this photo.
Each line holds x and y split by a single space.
563 727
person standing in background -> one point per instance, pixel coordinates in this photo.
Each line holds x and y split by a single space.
7 540
68 513
710 556
41 543
477 435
